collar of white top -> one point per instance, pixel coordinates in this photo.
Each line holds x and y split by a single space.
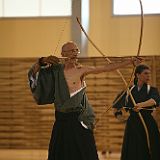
75 92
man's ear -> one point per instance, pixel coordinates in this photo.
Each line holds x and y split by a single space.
137 75
63 54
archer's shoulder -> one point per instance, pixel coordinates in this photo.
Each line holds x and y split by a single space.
154 88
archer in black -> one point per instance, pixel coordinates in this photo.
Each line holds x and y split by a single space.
135 141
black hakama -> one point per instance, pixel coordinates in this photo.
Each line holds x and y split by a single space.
70 140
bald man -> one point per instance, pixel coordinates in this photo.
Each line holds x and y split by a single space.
63 84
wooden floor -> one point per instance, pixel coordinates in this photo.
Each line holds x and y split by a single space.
14 154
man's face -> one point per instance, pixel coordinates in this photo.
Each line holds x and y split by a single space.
144 76
71 51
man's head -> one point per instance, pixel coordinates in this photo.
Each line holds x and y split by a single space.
142 73
70 50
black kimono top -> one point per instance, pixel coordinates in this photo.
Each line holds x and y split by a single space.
50 86
145 93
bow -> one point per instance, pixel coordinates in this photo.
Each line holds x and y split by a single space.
132 75
60 37
120 74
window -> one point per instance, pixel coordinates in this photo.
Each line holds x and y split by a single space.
1 8
35 8
132 7
56 7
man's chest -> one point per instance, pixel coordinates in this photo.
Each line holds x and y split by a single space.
73 78
140 95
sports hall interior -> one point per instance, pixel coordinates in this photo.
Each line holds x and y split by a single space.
25 127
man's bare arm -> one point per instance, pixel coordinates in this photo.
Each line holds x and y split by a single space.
111 66
145 104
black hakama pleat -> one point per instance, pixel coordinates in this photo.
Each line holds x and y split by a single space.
70 140
135 142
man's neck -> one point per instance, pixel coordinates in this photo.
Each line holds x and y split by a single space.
69 64
140 84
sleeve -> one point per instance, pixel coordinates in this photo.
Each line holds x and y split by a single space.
42 85
154 94
32 79
121 102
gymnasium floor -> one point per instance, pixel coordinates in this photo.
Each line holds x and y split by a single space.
41 155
